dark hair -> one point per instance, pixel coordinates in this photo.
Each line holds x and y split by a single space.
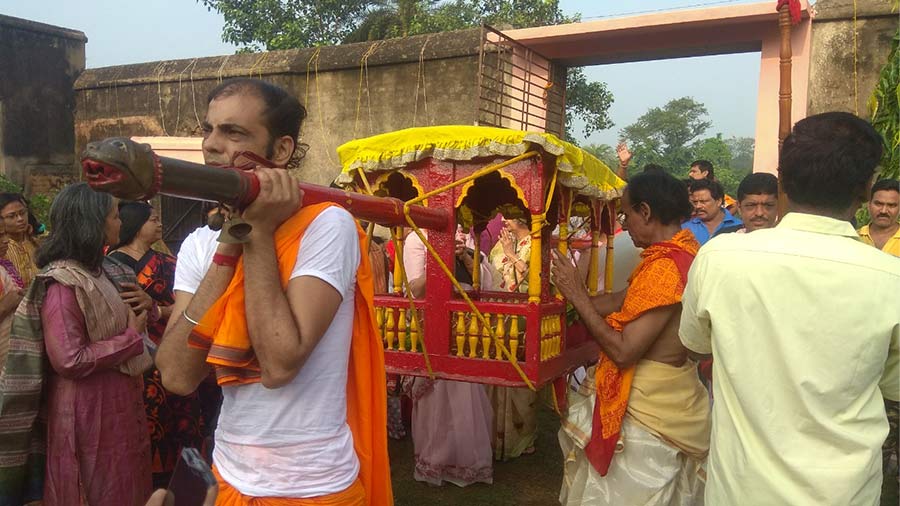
77 227
715 189
283 115
891 185
133 216
665 195
758 183
652 167
7 198
828 159
705 166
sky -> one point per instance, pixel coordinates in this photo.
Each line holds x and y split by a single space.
134 31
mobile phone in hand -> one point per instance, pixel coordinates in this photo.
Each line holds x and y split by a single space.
191 479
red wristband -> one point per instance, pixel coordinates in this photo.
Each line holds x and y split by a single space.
226 260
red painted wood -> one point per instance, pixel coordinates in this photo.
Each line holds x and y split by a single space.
441 301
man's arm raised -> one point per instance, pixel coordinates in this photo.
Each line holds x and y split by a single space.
285 327
624 348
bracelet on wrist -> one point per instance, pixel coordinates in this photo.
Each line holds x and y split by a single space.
189 319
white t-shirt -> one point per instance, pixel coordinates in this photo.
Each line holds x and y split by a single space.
292 441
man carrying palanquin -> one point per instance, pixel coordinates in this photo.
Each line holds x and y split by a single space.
286 322
637 430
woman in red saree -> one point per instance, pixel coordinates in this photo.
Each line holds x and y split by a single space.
174 421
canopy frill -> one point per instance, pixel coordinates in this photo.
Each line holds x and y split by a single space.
578 169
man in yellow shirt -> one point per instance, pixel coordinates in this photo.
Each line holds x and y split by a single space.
884 206
884 233
802 362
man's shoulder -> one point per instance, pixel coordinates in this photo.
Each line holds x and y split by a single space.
789 242
199 238
334 216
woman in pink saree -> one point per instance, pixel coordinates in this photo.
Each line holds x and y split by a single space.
451 420
86 409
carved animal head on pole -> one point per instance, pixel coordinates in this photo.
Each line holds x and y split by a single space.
122 167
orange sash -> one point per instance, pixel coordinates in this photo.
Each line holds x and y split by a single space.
658 281
223 332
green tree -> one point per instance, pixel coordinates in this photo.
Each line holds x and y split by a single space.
719 153
671 136
605 152
257 25
664 135
884 109
741 152
588 101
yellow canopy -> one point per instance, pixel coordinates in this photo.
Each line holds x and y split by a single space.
578 169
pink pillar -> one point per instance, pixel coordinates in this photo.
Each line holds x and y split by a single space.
765 154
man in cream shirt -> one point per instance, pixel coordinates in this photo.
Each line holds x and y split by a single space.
801 359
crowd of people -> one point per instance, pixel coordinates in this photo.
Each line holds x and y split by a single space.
749 358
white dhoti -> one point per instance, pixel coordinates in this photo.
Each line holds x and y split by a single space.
662 445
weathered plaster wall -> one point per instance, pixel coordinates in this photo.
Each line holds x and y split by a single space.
38 64
831 73
350 91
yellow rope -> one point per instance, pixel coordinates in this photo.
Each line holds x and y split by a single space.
314 63
258 63
434 254
362 175
364 76
420 76
481 172
486 324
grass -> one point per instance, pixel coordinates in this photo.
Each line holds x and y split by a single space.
531 480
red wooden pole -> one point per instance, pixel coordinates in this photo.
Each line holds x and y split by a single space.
129 170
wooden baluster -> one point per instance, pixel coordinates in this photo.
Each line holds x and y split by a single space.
414 331
514 338
389 328
486 337
473 335
379 321
500 332
401 330
460 333
557 329
542 339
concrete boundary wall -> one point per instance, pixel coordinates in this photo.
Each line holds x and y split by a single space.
38 65
350 91
832 74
